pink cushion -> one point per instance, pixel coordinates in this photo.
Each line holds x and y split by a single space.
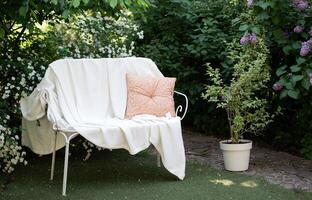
150 95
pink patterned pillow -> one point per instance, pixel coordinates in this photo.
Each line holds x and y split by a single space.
150 95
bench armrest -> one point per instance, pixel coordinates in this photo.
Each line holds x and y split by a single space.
180 107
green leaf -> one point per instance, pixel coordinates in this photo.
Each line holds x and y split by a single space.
293 94
289 86
113 3
296 78
23 10
296 45
283 94
256 30
65 14
75 3
280 70
128 2
301 21
305 83
300 60
283 81
295 68
236 20
85 1
263 15
287 49
243 27
2 33
263 5
54 2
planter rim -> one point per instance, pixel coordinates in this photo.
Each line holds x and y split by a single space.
241 140
236 147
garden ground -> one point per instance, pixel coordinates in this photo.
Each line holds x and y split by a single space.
280 168
118 175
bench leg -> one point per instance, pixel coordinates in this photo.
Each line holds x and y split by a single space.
65 169
53 157
158 160
67 140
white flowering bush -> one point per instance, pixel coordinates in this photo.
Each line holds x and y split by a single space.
19 78
88 35
10 151
94 36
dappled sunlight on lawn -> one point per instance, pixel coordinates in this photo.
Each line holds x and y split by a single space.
250 184
224 182
227 182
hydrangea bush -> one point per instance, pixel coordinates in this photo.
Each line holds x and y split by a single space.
287 25
88 35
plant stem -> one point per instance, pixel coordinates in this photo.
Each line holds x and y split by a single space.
230 122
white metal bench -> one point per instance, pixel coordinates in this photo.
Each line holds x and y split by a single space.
69 135
61 102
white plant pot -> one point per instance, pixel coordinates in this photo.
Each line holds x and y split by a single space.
236 156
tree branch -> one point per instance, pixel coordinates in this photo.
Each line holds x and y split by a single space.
20 34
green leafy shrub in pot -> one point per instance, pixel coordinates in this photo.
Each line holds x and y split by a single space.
243 98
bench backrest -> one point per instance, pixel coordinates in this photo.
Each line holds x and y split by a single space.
92 89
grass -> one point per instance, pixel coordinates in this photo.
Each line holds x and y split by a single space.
117 175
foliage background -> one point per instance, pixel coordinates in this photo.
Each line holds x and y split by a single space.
180 36
34 34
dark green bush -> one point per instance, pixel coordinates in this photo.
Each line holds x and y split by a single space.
181 36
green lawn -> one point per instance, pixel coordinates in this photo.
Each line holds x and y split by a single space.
117 175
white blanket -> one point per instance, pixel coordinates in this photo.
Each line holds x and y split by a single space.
89 96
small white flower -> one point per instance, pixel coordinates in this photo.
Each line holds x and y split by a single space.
140 35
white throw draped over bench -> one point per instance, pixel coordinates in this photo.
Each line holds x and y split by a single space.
88 97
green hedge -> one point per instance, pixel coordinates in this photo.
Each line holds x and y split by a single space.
181 37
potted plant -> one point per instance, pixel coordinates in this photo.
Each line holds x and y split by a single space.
243 98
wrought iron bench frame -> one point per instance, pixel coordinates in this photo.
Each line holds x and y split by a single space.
69 135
